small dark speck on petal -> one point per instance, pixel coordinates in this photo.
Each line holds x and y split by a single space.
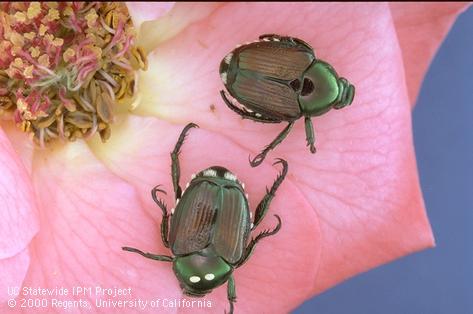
202 44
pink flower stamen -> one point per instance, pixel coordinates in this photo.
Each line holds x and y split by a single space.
58 58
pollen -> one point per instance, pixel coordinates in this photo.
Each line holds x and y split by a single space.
30 35
20 17
68 54
53 15
17 40
34 10
42 29
34 51
58 42
28 72
66 67
91 18
44 60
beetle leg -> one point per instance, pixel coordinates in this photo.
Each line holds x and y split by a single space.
263 206
309 134
231 293
281 136
164 221
245 114
175 169
162 258
250 248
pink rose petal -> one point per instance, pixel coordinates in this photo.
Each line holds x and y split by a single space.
283 267
421 27
88 214
182 15
18 216
146 11
13 271
362 184
18 221
354 205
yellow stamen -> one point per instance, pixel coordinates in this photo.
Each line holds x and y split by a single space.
58 42
25 126
20 17
44 60
53 14
16 39
42 29
28 72
68 54
35 52
91 18
18 62
30 35
34 10
21 105
68 11
75 95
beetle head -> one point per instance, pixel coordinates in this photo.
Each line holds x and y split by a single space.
322 89
199 274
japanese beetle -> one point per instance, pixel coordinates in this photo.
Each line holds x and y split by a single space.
278 78
210 227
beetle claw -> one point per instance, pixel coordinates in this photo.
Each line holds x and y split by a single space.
257 160
279 161
313 150
156 189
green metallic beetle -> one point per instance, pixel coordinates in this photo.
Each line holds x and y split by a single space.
210 227
278 78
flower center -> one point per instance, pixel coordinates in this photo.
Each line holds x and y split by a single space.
65 67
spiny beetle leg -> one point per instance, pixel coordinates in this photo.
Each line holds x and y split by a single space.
263 206
175 169
309 134
250 248
281 136
244 113
164 221
231 293
162 258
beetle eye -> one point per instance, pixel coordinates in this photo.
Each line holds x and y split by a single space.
307 88
295 84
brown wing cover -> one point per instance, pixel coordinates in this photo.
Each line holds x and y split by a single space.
266 97
275 59
232 226
261 75
191 222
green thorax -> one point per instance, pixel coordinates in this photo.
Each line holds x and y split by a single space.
320 89
201 272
